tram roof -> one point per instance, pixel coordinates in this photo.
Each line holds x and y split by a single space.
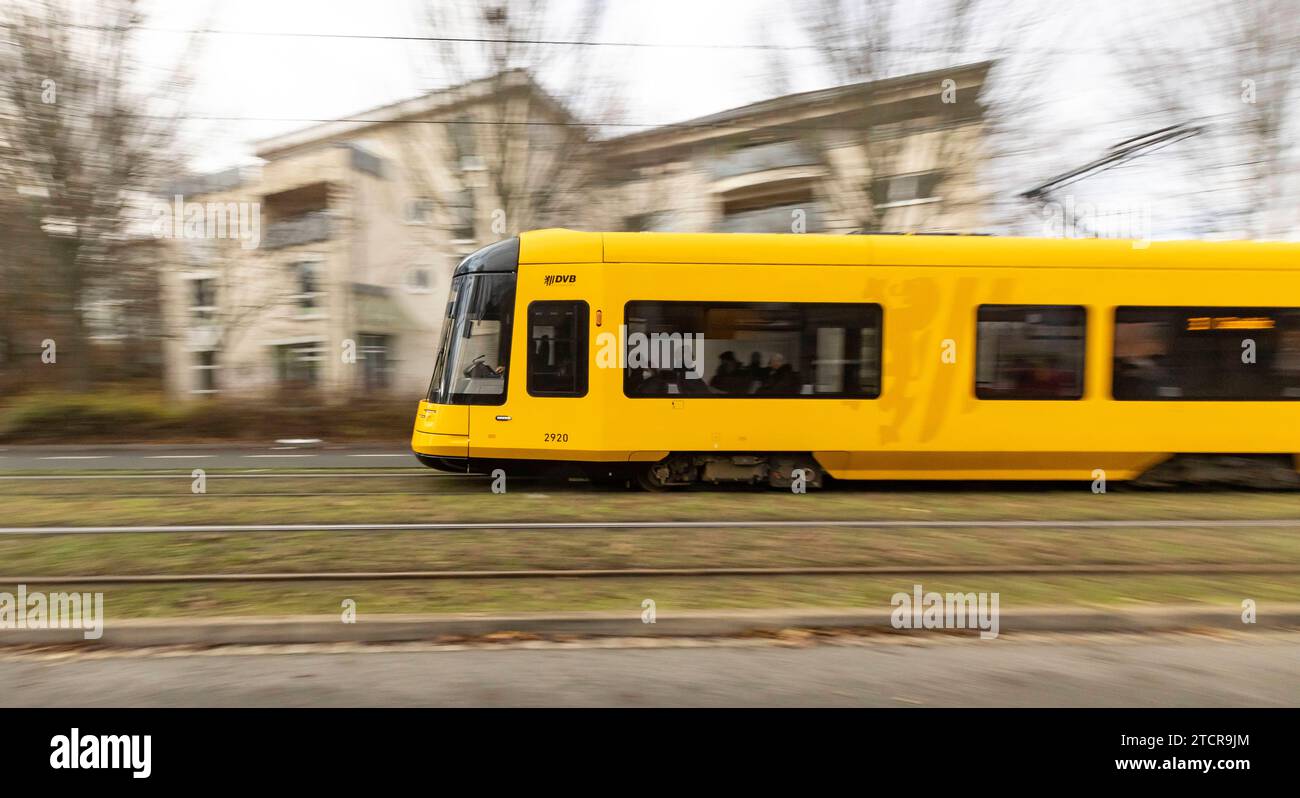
569 246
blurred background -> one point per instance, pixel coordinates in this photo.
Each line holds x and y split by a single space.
199 202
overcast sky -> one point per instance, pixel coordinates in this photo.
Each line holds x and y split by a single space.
281 77
265 78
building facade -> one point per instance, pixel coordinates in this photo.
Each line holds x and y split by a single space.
899 155
340 286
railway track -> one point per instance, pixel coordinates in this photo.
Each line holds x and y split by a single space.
415 483
1175 569
506 526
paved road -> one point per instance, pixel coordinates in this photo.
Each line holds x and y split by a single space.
1241 670
207 456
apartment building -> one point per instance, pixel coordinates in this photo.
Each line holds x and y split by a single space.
898 155
359 224
361 221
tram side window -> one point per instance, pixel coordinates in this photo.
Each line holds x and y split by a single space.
752 350
1029 352
1207 353
557 348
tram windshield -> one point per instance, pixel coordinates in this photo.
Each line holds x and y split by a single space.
474 355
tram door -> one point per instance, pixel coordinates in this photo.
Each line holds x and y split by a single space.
550 417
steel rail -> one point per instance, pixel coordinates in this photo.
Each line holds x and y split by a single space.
1175 569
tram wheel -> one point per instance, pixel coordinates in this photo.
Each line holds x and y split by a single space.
653 477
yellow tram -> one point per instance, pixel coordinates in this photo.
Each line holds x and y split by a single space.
681 358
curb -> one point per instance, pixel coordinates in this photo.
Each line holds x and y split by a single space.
427 628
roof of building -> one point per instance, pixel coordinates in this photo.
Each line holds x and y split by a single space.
477 90
828 101
425 105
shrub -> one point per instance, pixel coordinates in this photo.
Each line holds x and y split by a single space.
114 417
63 416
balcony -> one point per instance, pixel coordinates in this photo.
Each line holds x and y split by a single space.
305 228
762 158
778 219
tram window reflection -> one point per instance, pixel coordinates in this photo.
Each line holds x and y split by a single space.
752 350
1207 353
1029 352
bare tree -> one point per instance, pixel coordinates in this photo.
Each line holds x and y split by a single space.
865 41
25 299
775 67
228 296
535 79
79 136
1229 66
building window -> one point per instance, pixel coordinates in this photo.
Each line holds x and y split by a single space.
464 138
420 210
307 278
1207 353
204 292
557 348
1029 352
766 350
373 351
108 319
762 156
908 189
203 299
298 365
461 206
365 161
205 372
656 222
785 210
419 280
